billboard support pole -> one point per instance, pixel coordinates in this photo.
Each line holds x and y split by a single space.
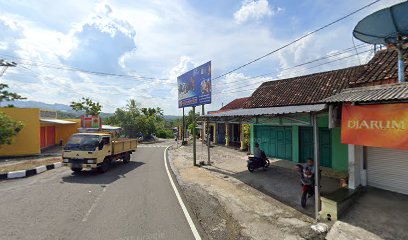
194 139
208 143
202 125
183 134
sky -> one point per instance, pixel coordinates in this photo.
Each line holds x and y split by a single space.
155 41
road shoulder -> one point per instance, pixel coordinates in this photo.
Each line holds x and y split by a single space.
229 209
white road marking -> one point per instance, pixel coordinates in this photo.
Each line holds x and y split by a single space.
94 205
186 214
153 146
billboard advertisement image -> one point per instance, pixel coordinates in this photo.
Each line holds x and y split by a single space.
194 86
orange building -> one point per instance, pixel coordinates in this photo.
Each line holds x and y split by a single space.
41 130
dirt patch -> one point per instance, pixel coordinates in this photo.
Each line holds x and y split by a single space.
28 164
216 222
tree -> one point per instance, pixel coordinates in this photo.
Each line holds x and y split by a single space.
246 128
90 107
136 121
8 129
6 96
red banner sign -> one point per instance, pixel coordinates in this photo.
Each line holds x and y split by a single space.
380 125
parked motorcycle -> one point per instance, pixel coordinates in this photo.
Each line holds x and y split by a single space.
306 178
255 163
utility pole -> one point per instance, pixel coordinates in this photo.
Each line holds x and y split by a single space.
5 64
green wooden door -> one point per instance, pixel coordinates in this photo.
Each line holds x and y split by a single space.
306 145
275 141
325 147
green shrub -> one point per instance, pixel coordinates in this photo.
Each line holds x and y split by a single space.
163 133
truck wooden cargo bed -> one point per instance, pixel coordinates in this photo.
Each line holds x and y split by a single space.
123 145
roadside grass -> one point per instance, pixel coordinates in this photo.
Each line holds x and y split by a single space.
28 164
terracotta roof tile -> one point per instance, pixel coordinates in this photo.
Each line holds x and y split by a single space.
308 89
381 69
235 104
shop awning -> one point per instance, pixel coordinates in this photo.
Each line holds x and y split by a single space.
271 111
387 92
55 121
109 127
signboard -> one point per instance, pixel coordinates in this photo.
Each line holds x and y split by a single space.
194 87
380 125
89 121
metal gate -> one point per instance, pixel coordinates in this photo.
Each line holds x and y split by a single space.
388 169
221 133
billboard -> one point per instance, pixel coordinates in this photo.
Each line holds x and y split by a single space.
382 125
194 86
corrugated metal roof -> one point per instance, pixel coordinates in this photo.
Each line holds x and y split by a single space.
250 112
56 121
109 127
388 92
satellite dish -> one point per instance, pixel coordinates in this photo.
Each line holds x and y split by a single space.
388 26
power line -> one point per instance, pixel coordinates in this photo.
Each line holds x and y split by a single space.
229 92
297 39
315 66
75 69
298 65
37 75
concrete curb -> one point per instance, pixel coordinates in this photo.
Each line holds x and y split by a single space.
29 172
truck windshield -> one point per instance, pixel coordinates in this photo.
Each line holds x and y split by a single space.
82 143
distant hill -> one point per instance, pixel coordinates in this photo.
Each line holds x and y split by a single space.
65 110
171 117
35 104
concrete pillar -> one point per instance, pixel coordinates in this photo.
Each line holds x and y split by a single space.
355 165
215 133
252 139
203 131
227 138
241 137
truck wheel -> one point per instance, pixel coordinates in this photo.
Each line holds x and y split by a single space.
76 169
105 165
126 158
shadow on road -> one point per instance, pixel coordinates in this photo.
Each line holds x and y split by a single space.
280 183
118 170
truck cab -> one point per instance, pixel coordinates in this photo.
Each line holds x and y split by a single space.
96 150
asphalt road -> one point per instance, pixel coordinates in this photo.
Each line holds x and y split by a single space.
129 202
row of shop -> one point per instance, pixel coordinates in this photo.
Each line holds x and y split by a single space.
282 113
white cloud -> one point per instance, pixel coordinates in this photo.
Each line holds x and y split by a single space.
254 10
151 38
